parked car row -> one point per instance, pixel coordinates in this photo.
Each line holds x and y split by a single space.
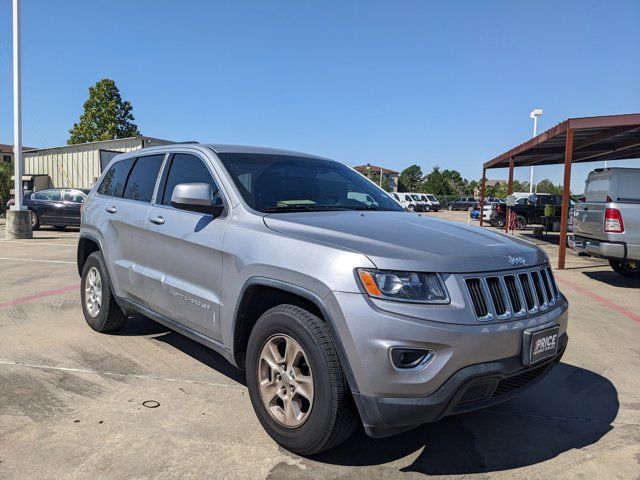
418 202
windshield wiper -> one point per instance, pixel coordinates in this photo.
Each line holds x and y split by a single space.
296 208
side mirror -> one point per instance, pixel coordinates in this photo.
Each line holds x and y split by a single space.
195 197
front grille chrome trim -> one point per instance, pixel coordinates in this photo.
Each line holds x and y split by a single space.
542 300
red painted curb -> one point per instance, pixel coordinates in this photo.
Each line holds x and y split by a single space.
36 296
601 300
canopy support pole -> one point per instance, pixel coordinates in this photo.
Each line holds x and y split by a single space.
507 214
564 219
482 191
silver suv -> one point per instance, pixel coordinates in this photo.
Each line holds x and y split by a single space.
339 305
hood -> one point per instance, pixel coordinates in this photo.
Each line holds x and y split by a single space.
409 241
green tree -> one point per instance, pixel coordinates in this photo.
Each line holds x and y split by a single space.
106 116
547 186
410 179
6 170
437 183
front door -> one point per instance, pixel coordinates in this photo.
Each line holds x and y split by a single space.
184 267
73 200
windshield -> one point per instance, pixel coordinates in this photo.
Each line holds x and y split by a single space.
415 197
285 183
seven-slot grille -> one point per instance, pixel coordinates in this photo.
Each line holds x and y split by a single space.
513 294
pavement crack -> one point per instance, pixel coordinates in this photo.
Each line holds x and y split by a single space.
119 375
549 417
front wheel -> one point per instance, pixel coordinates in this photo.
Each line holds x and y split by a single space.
296 384
630 268
99 306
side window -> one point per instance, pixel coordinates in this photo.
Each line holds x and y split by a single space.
114 180
186 168
142 179
49 195
74 196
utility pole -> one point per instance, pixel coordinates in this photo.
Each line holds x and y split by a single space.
534 114
18 223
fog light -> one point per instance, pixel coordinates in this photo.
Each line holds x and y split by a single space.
410 358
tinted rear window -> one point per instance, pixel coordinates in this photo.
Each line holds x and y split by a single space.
142 179
115 179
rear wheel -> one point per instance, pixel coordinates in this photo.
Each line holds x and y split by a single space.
35 221
99 306
296 384
521 222
630 268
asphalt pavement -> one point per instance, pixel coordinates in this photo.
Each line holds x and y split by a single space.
149 403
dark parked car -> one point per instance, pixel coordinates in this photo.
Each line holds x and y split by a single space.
59 207
463 203
529 210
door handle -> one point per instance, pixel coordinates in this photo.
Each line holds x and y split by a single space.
111 209
157 220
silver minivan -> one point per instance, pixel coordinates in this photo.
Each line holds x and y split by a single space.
340 306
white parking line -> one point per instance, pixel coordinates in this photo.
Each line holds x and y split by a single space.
112 374
34 260
37 244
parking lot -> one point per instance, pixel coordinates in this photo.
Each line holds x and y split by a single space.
150 403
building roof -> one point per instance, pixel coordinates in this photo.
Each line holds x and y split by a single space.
608 137
101 143
5 148
375 168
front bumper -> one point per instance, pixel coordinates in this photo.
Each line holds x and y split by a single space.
390 401
473 387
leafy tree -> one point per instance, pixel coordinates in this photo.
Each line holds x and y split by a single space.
6 170
437 183
410 179
547 186
106 116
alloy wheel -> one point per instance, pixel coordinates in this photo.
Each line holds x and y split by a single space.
93 292
285 381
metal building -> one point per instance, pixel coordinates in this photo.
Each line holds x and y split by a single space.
80 165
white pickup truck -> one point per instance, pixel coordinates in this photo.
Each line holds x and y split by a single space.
606 222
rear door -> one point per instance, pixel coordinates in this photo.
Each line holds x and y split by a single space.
49 206
184 276
128 187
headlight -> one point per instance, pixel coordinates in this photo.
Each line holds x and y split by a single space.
404 286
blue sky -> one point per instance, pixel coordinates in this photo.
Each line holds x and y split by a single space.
447 83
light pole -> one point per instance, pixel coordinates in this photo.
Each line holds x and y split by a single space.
18 224
535 113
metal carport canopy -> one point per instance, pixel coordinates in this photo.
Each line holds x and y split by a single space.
585 139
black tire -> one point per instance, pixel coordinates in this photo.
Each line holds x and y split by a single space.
626 269
60 227
521 222
110 316
411 207
35 221
332 417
